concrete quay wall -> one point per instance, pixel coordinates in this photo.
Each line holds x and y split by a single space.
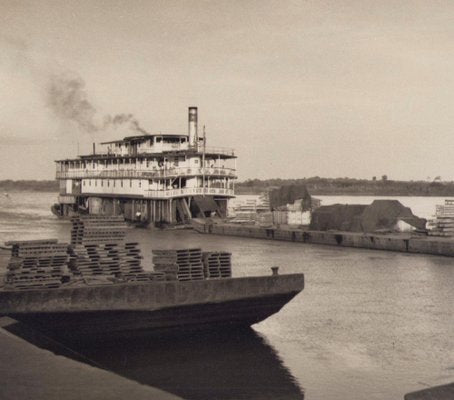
391 242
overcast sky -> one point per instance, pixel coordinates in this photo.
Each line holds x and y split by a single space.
298 88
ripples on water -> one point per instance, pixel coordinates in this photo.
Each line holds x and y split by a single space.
369 324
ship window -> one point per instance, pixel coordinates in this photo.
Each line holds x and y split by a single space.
108 183
102 182
130 183
89 182
196 161
96 182
83 182
148 163
140 184
122 183
158 140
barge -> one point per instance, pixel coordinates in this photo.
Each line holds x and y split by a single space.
399 242
122 310
96 288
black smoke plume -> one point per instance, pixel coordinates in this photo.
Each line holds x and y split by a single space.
68 99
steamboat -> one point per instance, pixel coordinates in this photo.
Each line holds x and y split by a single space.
149 178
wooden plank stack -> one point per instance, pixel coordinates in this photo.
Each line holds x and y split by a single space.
97 229
217 265
443 224
181 264
98 247
36 264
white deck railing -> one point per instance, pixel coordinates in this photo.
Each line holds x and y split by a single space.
161 173
166 194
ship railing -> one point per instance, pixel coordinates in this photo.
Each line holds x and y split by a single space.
158 173
219 150
170 193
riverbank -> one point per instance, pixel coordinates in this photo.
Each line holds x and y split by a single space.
401 242
28 372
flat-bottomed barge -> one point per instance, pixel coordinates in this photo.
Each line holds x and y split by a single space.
140 308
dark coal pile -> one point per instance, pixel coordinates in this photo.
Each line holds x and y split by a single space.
384 214
381 215
288 194
341 217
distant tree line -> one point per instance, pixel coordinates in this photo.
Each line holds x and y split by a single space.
315 186
39 186
350 186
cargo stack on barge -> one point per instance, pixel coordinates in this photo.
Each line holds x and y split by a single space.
149 178
96 289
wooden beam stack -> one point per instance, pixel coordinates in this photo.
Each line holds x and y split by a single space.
443 224
99 248
97 229
181 264
217 265
36 264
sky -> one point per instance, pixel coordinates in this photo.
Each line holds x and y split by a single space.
298 88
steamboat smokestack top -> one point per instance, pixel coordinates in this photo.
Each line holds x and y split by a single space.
192 126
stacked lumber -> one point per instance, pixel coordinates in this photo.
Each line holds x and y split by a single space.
36 264
97 229
217 265
443 224
181 264
98 248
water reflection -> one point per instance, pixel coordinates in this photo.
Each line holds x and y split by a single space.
232 364
203 365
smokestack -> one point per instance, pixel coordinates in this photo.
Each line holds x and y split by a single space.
192 126
94 148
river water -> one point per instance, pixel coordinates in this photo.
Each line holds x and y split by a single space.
368 325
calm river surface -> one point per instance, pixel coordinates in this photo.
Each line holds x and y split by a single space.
369 324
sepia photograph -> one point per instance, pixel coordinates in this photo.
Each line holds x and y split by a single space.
226 200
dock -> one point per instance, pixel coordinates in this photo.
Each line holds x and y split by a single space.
34 373
400 242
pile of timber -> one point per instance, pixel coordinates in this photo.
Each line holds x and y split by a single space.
443 224
118 259
217 265
181 264
98 248
97 229
36 264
